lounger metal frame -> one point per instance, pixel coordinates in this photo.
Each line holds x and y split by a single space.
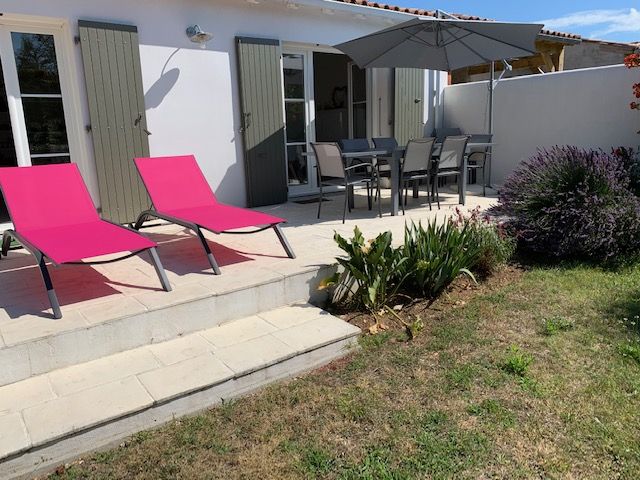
41 257
144 216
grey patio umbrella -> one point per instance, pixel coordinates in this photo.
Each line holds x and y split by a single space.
444 44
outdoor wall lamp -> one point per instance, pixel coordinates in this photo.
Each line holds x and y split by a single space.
197 35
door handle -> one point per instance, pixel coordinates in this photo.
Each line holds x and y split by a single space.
138 121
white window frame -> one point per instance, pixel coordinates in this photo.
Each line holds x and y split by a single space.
308 50
79 149
70 93
307 59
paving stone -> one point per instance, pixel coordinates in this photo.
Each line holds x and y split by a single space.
80 410
316 333
24 394
104 370
253 354
160 298
180 349
14 364
31 327
292 315
121 306
238 331
181 378
13 435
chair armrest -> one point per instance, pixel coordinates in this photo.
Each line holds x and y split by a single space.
359 165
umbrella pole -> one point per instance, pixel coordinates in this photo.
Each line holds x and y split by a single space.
491 86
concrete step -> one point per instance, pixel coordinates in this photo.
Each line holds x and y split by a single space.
34 345
51 418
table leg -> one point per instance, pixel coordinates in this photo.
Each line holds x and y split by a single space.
351 196
416 185
395 182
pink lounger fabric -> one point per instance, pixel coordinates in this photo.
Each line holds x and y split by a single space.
51 208
178 189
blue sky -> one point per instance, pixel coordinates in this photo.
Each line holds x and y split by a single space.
616 20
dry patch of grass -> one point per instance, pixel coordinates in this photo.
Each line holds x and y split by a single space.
528 375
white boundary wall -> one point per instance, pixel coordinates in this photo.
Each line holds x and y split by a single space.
587 108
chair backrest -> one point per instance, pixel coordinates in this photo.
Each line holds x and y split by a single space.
175 183
452 152
443 132
354 145
329 159
479 138
417 156
46 196
385 143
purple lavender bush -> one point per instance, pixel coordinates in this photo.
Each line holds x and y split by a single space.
573 203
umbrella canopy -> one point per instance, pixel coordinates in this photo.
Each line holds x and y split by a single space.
442 44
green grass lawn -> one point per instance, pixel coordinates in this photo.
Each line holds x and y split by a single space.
531 375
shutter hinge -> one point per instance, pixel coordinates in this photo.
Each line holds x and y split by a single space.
76 39
87 128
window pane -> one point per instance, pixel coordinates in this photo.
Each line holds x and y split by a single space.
295 122
297 165
46 129
50 160
36 63
293 69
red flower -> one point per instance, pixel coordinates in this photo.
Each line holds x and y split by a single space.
634 106
632 60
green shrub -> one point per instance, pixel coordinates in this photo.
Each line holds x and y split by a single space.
630 350
370 270
554 325
574 203
495 246
516 361
436 255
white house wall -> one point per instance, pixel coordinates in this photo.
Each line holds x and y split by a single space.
191 94
586 108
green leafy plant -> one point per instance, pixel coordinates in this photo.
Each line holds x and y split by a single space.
630 350
436 255
495 247
552 326
516 361
369 277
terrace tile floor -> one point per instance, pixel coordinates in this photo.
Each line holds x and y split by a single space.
90 295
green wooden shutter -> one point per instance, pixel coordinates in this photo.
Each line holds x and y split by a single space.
111 58
408 104
260 75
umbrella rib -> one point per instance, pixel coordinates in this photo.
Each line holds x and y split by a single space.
504 42
461 40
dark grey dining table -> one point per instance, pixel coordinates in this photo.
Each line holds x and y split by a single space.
393 158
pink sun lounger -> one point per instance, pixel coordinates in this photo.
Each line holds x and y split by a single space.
180 194
54 217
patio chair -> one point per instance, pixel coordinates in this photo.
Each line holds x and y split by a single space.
444 132
54 218
180 194
477 158
416 166
451 161
333 172
382 165
354 144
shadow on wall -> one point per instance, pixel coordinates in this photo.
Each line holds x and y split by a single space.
161 88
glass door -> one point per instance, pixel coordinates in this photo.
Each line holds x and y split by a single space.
32 119
357 101
300 173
